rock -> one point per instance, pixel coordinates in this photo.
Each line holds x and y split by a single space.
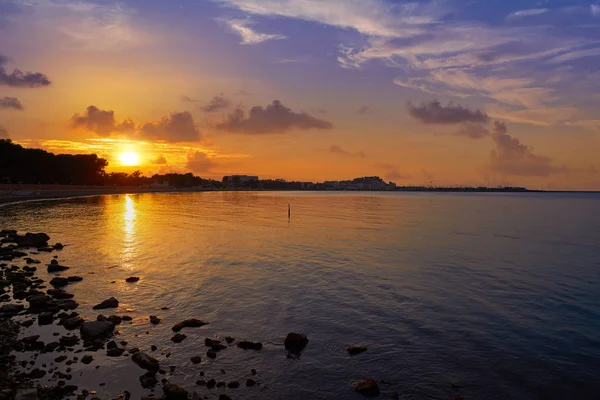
154 319
127 318
153 348
229 339
211 383
368 388
211 354
115 319
146 362
91 330
224 397
60 359
37 373
250 382
233 385
148 380
87 359
60 294
26 394
178 338
68 341
295 342
30 339
174 392
196 360
111 345
55 267
75 279
50 347
58 246
221 384
396 396
253 371
132 279
72 323
12 309
45 318
115 352
108 303
188 323
39 302
247 345
354 350
59 282
29 239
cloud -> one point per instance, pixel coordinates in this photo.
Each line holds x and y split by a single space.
199 162
249 35
391 171
364 110
3 133
10 102
178 127
274 118
472 130
335 149
512 158
160 160
435 113
595 10
18 78
529 13
101 122
187 99
217 103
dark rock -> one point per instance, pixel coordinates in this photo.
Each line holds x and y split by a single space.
11 309
127 318
196 360
211 383
247 345
60 359
60 294
188 323
224 397
172 368
146 362
50 347
211 342
30 339
111 345
59 282
67 304
101 318
253 371
55 267
91 330
75 278
368 388
154 319
115 319
58 246
37 373
108 303
72 323
221 384
87 359
233 385
250 382
148 380
178 338
295 342
211 354
68 341
132 279
153 348
229 339
45 318
174 392
29 239
115 352
354 350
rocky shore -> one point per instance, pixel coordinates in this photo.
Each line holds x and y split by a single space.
27 301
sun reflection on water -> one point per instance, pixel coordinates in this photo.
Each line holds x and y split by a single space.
129 227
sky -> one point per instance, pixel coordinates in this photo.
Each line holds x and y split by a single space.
443 92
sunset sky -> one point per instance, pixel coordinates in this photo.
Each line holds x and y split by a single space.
449 92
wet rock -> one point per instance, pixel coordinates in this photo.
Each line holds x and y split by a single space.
30 339
211 354
54 266
26 394
368 388
253 371
40 302
295 342
148 380
211 383
132 279
60 359
108 303
115 352
59 282
11 309
153 348
247 345
91 330
115 319
229 339
154 319
224 397
37 373
250 382
178 338
189 323
354 350
67 304
146 362
87 359
29 239
68 341
75 278
172 368
60 294
45 318
233 385
50 347
111 345
196 360
174 392
127 318
72 323
58 246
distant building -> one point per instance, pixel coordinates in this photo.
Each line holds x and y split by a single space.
236 179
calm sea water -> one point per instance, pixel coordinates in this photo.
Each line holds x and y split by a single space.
497 293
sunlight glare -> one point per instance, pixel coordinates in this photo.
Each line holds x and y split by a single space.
129 159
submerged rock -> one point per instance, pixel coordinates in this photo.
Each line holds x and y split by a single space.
75 279
178 338
174 392
11 309
45 318
115 319
250 382
354 350
132 279
29 239
368 388
196 360
146 362
91 330
87 359
148 380
108 303
189 323
154 319
247 345
59 282
295 342
55 267
229 339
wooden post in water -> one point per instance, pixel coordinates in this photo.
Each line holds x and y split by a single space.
289 212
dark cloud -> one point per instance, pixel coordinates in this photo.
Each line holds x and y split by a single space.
512 158
178 127
199 162
472 130
160 160
274 118
217 103
18 78
364 110
435 113
335 149
3 133
187 99
10 102
101 122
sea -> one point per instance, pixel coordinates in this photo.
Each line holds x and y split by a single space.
455 295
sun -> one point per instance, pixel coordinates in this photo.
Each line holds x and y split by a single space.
129 159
